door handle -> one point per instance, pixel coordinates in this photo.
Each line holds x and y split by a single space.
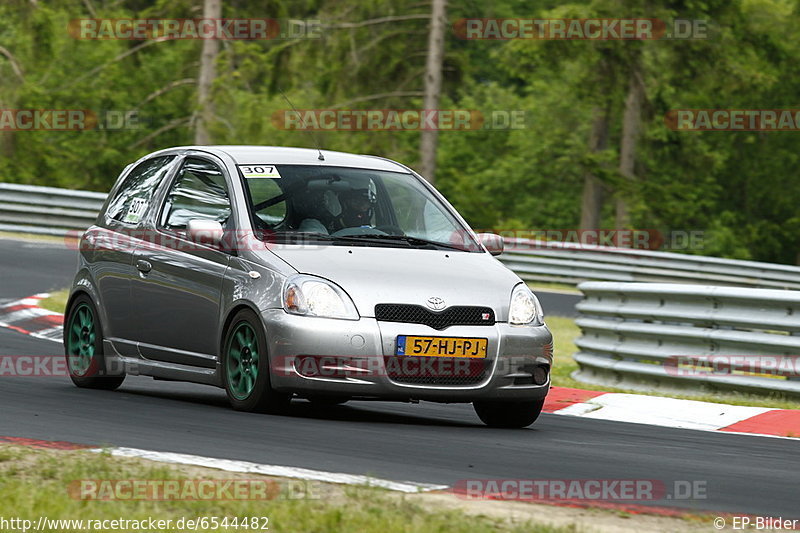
143 266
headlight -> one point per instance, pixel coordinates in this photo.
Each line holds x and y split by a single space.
310 296
524 308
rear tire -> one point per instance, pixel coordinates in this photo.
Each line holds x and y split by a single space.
246 368
509 414
83 347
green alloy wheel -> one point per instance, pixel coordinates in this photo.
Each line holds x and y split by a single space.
80 340
83 344
245 366
242 361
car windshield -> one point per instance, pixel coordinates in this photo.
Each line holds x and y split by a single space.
297 203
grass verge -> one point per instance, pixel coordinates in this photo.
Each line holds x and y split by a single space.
36 483
553 287
56 302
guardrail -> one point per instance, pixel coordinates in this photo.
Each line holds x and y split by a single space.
679 336
47 210
574 263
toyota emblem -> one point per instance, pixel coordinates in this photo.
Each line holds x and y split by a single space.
435 303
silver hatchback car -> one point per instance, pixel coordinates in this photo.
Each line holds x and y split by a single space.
280 272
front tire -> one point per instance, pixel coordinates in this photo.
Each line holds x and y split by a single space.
83 347
246 368
509 414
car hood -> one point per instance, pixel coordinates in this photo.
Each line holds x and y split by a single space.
373 275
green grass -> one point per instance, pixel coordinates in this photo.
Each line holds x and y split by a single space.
35 483
565 331
552 286
57 301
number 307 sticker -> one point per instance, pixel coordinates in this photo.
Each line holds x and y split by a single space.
260 171
135 211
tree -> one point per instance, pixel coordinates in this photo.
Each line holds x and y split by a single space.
593 188
212 9
591 135
433 86
631 125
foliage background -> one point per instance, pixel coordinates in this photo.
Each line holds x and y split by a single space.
740 188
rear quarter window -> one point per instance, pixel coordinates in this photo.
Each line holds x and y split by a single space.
135 195
199 192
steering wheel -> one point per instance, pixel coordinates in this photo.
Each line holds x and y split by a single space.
390 229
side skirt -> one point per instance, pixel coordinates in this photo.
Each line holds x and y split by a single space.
136 366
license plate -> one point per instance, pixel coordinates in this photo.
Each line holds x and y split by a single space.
440 347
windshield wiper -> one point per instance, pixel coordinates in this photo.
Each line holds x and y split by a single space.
298 236
414 241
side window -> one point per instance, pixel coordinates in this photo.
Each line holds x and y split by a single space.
199 191
136 192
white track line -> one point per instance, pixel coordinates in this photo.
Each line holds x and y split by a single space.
54 334
30 300
25 314
229 465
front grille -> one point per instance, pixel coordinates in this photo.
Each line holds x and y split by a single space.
452 316
437 371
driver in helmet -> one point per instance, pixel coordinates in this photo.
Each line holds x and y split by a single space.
358 206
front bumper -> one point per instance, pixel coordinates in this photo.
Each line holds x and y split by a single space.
321 356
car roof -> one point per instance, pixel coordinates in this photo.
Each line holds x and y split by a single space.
280 155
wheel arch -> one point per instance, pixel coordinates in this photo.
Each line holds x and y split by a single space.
83 284
78 291
226 323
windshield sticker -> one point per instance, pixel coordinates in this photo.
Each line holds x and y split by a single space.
136 210
260 171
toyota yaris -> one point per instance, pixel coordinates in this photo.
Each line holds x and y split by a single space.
284 272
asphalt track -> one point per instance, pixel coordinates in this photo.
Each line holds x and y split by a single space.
426 443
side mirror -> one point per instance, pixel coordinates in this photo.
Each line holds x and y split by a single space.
202 231
492 242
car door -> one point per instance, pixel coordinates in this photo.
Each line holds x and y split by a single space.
109 247
177 289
